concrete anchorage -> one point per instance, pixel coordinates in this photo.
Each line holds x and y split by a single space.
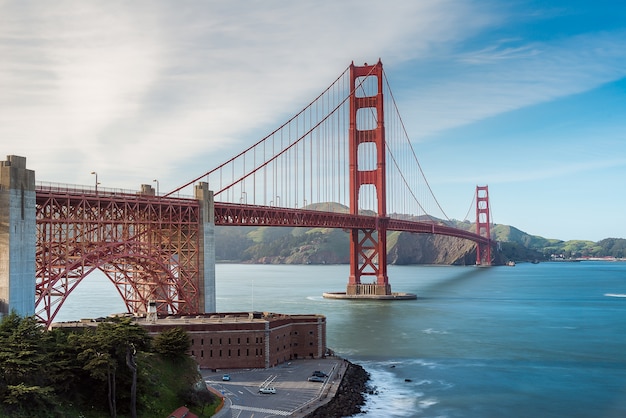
18 237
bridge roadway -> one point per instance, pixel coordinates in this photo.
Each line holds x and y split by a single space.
295 395
253 215
256 215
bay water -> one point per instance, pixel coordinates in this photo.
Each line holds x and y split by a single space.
534 340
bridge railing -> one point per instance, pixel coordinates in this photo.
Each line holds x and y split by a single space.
46 186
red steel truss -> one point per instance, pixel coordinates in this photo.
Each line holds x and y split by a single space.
146 245
251 215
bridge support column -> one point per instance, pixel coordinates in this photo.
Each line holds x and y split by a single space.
483 225
207 247
368 289
18 237
368 247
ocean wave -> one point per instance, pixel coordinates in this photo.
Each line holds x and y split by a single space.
395 392
433 331
426 403
615 295
393 397
424 363
407 362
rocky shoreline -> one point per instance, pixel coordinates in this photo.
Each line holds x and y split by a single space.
350 396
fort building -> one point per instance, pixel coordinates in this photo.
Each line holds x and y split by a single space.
242 339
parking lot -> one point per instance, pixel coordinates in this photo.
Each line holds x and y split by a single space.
295 395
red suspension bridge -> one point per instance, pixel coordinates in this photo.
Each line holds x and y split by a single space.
348 148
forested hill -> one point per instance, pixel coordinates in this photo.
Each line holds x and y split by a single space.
107 368
285 245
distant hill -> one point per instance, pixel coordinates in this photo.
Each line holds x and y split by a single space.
286 245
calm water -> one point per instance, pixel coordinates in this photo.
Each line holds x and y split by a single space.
544 340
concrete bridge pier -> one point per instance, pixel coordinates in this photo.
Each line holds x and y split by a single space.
207 247
18 237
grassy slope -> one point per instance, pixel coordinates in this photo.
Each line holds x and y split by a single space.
167 381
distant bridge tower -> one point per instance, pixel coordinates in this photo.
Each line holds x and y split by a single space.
483 225
368 247
18 232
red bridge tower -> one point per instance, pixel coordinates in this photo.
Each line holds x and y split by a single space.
368 247
483 225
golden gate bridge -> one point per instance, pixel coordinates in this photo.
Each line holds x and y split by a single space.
344 161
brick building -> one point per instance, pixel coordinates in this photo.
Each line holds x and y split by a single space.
248 340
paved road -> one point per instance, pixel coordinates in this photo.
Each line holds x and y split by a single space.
295 395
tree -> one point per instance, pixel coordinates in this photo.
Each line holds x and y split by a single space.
96 358
172 343
131 362
23 355
104 348
27 396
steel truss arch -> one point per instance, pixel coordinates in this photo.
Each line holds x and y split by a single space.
147 246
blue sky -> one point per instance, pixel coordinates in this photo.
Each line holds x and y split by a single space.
528 97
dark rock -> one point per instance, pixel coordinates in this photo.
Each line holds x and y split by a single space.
349 397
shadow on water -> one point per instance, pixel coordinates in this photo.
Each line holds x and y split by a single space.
456 279
367 328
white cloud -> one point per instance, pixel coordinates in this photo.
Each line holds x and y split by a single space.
72 72
130 89
534 171
506 76
143 90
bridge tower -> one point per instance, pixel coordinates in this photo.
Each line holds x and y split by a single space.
368 247
483 225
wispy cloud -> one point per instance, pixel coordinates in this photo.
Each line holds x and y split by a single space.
508 75
546 171
131 89
144 90
503 50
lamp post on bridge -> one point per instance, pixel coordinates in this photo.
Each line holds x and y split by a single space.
157 184
96 174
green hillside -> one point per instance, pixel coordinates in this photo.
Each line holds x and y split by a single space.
286 245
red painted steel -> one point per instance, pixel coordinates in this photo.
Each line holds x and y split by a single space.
147 246
249 215
368 246
483 225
